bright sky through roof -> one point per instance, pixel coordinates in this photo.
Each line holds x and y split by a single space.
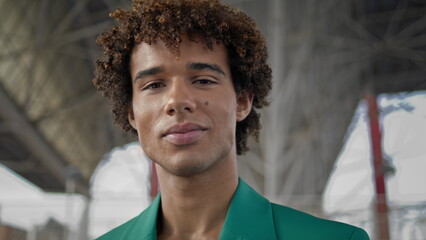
24 205
403 122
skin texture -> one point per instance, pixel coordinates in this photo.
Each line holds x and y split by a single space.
194 94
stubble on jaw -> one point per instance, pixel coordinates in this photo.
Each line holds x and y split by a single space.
194 167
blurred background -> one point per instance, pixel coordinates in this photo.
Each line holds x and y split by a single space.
344 137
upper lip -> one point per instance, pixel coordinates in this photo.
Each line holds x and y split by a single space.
183 128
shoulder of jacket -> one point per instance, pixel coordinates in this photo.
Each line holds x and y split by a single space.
296 224
119 232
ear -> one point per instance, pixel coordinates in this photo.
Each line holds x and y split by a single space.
244 105
131 116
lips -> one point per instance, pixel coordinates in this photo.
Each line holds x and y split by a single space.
184 134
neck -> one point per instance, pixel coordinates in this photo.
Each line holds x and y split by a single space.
195 207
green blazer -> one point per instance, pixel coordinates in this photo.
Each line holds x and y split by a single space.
250 217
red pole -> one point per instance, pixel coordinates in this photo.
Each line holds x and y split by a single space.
382 226
154 180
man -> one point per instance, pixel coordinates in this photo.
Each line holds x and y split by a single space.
187 77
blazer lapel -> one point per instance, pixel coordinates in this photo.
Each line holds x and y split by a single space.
145 227
249 216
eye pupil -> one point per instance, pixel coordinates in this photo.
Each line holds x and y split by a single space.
154 85
204 81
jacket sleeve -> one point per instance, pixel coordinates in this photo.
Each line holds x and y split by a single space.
359 234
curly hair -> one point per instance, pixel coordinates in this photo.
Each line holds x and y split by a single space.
202 21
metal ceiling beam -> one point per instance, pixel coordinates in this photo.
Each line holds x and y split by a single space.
28 134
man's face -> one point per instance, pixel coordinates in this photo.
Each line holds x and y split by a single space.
185 108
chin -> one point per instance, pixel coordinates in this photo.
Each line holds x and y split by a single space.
189 163
186 168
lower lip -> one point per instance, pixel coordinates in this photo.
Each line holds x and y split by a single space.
184 138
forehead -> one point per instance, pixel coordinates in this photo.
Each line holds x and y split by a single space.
156 53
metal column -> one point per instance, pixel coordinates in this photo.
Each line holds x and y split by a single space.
382 225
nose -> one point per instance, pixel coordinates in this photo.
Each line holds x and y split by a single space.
179 99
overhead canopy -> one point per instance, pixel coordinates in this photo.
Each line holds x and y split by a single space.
51 116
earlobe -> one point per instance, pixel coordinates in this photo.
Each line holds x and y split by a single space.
244 105
131 116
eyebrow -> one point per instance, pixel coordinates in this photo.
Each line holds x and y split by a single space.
202 66
149 72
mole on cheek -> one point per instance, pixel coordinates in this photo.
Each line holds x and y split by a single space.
206 103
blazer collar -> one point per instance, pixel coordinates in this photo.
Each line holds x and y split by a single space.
249 217
145 227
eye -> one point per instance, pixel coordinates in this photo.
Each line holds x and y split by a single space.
153 85
204 81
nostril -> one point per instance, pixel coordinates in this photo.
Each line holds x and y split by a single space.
180 105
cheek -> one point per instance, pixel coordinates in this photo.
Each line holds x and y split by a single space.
145 117
225 116
146 108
